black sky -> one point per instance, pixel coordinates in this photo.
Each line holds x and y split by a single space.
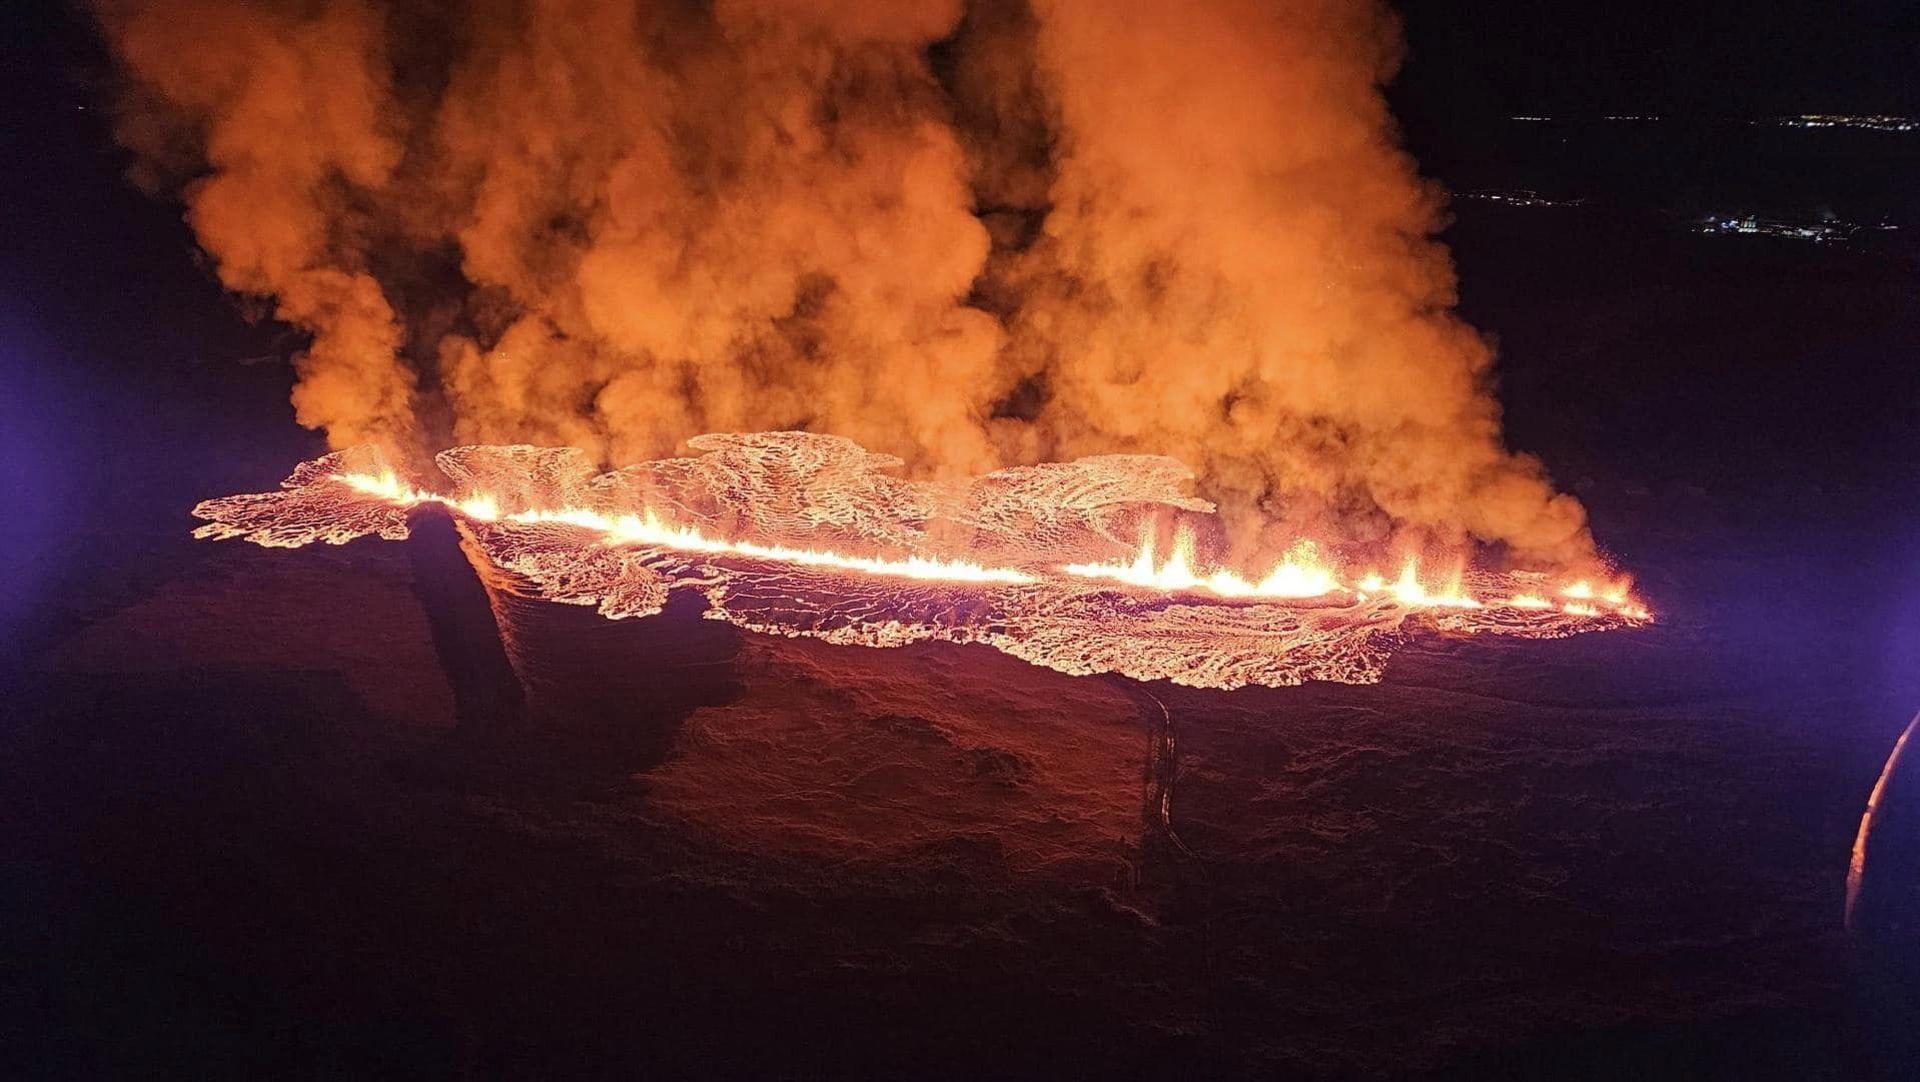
1681 57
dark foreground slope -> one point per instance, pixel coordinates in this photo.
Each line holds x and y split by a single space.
251 841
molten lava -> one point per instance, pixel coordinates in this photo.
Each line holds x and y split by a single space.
794 533
646 529
1301 573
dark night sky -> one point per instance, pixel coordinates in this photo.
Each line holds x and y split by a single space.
1700 57
1467 60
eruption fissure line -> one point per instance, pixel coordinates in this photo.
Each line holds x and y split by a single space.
647 528
1302 574
623 542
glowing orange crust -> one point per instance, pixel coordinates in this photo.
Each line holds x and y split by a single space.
800 534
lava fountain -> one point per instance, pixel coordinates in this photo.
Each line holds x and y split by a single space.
801 534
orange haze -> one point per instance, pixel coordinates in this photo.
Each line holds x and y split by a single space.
966 234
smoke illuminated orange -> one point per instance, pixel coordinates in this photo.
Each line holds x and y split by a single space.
788 202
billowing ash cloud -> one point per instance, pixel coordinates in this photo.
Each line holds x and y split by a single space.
966 234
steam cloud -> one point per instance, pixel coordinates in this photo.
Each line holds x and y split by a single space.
969 234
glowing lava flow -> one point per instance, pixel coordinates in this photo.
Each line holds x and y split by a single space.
646 528
1302 574
1409 590
1033 561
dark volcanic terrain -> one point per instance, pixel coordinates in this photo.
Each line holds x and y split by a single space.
252 839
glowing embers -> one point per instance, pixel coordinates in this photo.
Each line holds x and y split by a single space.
807 535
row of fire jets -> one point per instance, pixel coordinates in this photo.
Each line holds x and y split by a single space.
1302 573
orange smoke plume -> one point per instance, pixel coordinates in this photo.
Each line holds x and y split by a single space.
968 235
